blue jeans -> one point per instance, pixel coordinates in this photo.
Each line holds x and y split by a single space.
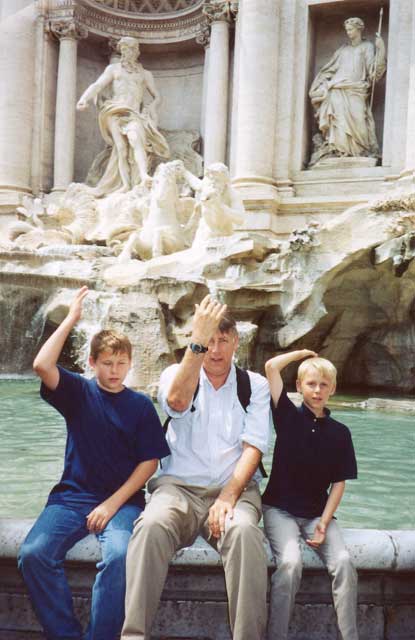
41 559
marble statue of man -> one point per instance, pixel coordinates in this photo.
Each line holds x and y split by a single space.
127 125
340 96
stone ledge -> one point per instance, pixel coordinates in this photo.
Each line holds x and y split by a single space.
371 549
194 603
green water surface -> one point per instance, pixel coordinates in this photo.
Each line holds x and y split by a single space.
32 443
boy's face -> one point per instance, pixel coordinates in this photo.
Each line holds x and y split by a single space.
111 369
316 390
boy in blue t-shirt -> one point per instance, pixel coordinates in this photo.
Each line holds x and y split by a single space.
313 458
114 441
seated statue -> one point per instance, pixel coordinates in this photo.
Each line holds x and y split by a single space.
339 95
126 124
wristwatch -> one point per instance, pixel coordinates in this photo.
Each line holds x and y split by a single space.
197 348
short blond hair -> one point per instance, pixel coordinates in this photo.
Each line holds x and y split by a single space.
108 340
322 365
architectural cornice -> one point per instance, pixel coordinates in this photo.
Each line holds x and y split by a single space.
148 28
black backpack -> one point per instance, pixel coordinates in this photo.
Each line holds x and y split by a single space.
243 390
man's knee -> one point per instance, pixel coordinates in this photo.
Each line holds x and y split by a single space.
245 532
151 528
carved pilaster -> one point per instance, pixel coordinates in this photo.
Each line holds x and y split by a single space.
234 6
217 10
68 29
203 36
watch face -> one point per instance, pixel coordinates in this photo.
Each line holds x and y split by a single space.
197 348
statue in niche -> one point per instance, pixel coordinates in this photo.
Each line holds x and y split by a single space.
340 97
127 124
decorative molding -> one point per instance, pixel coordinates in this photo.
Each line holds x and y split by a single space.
217 10
235 8
203 36
146 6
148 28
68 29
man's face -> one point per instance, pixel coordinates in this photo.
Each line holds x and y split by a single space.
218 359
316 390
111 370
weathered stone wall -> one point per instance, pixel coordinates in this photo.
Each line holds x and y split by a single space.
194 599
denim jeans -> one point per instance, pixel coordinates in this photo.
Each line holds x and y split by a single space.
41 559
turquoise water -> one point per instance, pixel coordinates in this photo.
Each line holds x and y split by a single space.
33 440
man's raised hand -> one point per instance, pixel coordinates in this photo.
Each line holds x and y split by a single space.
206 320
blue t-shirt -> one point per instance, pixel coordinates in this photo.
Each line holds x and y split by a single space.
109 434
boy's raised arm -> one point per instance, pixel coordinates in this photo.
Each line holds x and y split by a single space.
44 364
274 366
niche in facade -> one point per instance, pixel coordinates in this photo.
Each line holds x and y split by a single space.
346 86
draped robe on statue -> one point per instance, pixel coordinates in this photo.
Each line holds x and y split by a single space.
339 95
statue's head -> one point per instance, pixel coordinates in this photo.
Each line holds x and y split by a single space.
218 171
356 23
130 45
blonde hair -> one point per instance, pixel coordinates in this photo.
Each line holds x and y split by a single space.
108 340
323 366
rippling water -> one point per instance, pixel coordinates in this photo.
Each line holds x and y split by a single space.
33 440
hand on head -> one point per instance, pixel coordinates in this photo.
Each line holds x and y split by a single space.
208 315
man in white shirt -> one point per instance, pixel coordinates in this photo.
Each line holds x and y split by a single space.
209 483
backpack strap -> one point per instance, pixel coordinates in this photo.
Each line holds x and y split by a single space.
244 391
243 387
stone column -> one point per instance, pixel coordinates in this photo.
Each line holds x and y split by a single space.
17 68
203 38
408 174
216 110
254 131
68 32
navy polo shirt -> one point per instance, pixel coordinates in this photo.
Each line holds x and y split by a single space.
310 454
108 435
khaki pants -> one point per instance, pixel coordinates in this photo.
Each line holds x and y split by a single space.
176 514
283 531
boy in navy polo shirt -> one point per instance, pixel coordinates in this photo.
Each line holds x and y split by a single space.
313 457
114 441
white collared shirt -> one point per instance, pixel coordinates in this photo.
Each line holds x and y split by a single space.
207 443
